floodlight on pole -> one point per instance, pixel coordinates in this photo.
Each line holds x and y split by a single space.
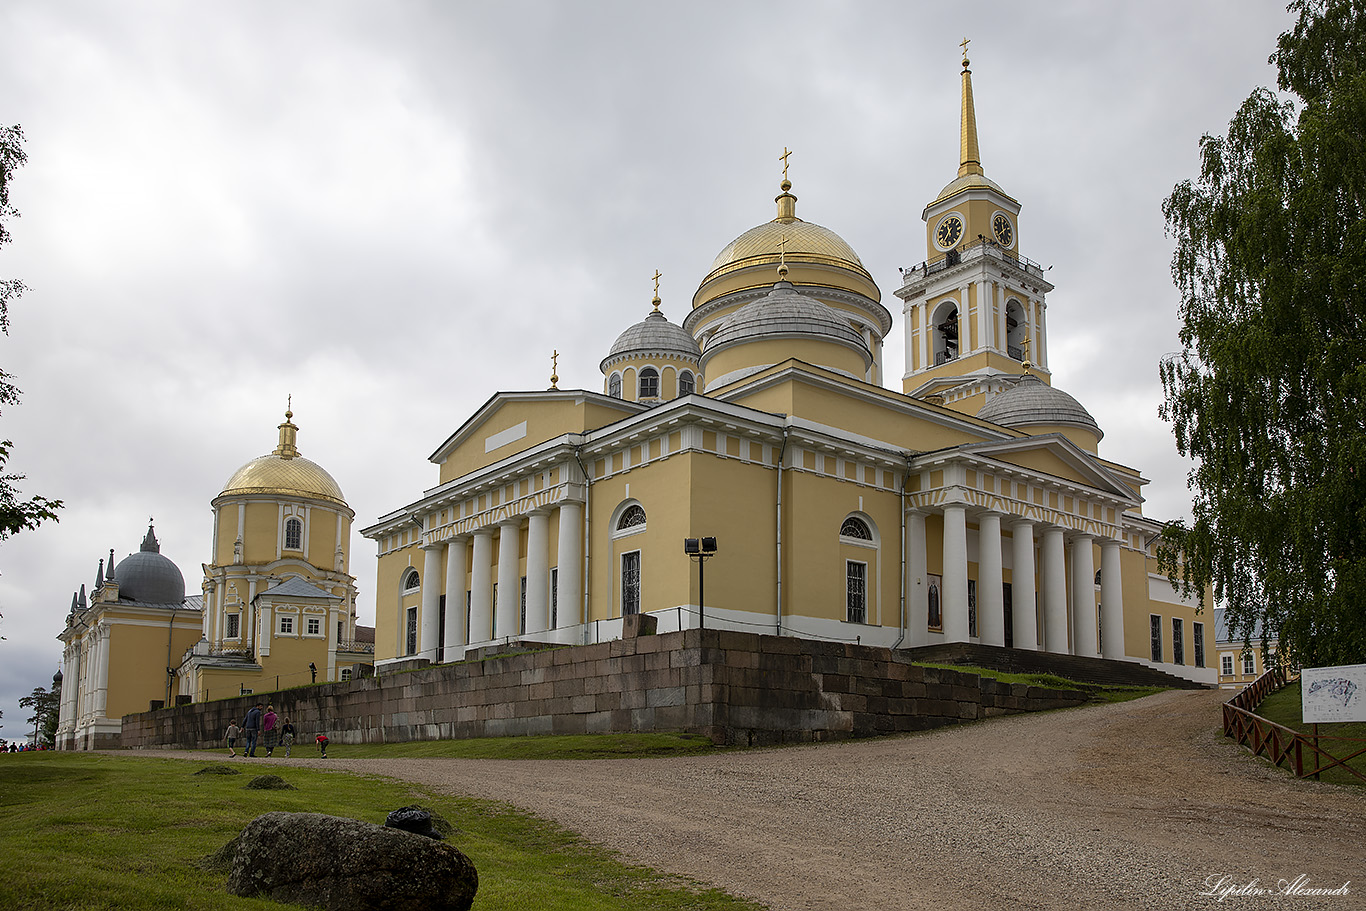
700 549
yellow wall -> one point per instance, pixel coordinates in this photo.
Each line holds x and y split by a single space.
138 657
545 420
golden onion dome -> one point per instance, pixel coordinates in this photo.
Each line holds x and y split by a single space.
284 472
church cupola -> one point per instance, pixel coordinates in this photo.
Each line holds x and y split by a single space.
654 360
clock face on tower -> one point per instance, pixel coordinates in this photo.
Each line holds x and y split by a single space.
1001 227
949 232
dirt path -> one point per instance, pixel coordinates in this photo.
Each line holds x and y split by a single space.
1133 805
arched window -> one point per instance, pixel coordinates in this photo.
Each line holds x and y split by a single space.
614 385
294 534
1016 330
411 581
856 528
686 384
945 327
631 518
649 383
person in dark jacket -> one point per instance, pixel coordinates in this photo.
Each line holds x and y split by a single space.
270 727
251 729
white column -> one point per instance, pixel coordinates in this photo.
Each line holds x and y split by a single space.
509 606
455 597
429 623
102 689
1043 335
569 575
991 618
917 581
1053 582
538 572
955 573
481 586
1083 597
1111 600
1024 619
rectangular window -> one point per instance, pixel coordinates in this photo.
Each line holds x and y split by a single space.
341 627
1178 642
346 673
630 583
1155 631
286 625
972 607
468 595
1198 633
493 623
412 632
856 592
554 597
1249 664
234 626
522 628
315 626
1226 665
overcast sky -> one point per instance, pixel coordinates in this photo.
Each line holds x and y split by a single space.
391 210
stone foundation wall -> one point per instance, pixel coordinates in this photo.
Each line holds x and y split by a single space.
731 687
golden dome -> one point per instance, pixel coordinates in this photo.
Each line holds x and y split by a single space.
284 472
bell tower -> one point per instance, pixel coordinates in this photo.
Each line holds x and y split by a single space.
974 309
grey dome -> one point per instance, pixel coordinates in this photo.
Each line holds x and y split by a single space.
1032 401
148 577
783 313
654 334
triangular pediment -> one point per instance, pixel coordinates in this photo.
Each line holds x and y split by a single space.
1049 454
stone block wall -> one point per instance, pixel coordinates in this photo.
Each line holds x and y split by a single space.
733 687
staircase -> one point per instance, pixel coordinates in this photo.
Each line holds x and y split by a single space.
1100 671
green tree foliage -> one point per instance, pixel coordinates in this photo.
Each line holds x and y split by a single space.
16 513
44 717
1269 393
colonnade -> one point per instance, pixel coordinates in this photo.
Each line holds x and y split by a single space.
1057 600
495 593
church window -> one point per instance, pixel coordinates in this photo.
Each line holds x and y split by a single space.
346 673
412 632
1155 635
632 517
972 607
649 383
935 619
630 583
234 626
412 581
686 384
1249 663
856 528
523 626
856 591
946 333
1178 642
1198 633
286 625
294 534
1226 665
554 597
314 626
614 386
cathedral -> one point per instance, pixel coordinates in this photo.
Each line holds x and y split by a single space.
277 606
973 505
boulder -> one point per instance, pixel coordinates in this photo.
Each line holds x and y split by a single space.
348 865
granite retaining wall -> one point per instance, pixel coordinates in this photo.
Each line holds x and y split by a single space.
735 688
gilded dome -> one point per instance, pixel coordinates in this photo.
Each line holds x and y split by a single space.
284 472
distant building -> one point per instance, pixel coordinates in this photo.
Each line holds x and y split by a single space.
1241 658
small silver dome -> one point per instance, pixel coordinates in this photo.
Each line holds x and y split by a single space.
654 334
148 577
1032 401
783 313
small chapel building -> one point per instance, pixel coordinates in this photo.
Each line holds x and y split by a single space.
973 505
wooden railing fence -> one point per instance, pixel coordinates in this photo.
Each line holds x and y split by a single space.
1277 742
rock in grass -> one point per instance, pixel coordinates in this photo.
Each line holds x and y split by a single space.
218 769
269 783
348 865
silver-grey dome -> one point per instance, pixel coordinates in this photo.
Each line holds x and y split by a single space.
148 577
654 335
1032 401
783 313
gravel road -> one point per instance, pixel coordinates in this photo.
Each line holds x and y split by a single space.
1134 805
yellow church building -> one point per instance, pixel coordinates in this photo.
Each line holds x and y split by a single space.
277 606
971 506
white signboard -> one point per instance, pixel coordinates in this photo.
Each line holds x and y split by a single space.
1333 693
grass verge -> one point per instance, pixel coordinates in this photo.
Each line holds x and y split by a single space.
100 832
1284 707
1098 693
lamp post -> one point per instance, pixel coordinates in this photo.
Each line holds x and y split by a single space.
700 549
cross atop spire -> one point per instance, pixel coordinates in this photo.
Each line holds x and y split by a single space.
969 158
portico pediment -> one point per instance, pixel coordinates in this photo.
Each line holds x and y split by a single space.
1049 457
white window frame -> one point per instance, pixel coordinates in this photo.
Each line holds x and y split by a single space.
647 373
1226 665
614 383
284 625
294 521
310 623
1249 663
410 573
1198 640
1178 641
1155 643
346 673
692 382
233 626
620 514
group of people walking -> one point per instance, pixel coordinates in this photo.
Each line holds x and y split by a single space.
260 724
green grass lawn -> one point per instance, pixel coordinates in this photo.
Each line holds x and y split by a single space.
1283 707
89 831
1053 681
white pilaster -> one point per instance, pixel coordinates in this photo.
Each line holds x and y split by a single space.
455 597
917 581
509 606
569 575
955 573
429 623
991 620
1053 582
1111 600
481 587
538 572
102 687
1083 597
1024 618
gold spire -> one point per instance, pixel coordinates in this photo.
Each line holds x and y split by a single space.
969 159
787 203
554 368
656 300
288 435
